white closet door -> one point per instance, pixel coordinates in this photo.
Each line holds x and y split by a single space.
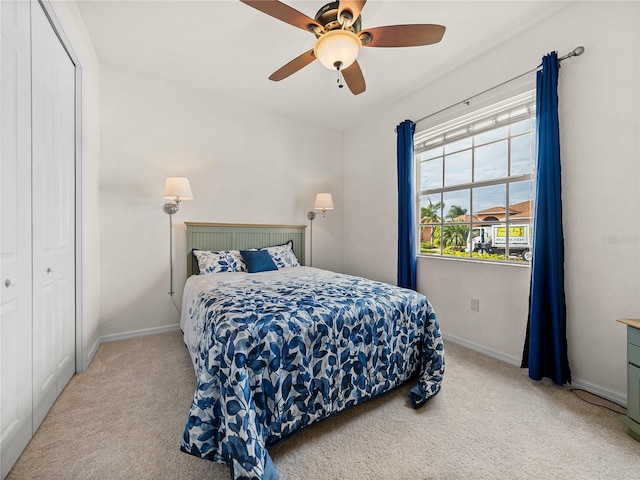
53 140
15 237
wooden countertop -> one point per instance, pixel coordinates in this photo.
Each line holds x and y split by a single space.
632 322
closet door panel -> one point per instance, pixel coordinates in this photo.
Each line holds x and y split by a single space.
44 213
15 233
64 147
53 143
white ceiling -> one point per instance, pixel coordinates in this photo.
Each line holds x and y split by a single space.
228 48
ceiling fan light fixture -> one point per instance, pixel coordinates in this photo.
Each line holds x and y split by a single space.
337 48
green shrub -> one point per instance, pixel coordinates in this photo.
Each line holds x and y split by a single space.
454 252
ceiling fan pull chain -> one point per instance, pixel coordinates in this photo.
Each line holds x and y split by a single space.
339 80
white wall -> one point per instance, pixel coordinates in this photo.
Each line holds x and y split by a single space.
599 115
244 165
75 30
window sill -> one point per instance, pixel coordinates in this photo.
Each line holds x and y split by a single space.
469 260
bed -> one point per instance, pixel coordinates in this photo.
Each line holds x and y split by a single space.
275 351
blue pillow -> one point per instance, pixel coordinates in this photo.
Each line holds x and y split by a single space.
258 260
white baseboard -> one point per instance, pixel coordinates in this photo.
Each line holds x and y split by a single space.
92 352
611 395
114 337
489 352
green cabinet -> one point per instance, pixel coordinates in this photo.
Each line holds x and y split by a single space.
633 393
632 420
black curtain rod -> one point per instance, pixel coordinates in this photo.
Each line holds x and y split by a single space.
576 52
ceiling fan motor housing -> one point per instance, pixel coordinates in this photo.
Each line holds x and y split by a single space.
327 16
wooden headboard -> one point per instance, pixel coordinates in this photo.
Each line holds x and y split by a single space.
235 236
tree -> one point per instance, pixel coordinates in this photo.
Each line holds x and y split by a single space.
431 214
456 211
455 235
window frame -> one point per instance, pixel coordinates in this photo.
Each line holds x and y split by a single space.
438 134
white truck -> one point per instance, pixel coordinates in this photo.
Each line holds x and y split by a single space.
493 239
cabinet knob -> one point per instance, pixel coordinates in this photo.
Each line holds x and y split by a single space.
8 283
49 270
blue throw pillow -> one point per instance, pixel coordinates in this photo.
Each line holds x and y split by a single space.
258 260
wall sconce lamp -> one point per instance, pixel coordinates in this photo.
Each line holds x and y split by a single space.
324 202
176 189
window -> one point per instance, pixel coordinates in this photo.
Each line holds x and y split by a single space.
476 183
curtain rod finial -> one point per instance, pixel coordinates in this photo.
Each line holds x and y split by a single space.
576 52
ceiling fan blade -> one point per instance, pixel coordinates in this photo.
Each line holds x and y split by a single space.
353 6
354 79
402 35
285 13
293 66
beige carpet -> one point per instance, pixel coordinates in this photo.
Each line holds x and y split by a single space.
123 419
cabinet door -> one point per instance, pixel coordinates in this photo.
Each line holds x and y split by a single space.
53 151
633 392
15 232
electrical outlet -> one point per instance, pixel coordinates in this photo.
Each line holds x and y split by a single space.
475 305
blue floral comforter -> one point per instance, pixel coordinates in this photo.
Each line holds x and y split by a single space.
274 352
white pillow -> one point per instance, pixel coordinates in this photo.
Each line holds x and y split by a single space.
219 261
283 255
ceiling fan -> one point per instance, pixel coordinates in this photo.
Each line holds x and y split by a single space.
339 37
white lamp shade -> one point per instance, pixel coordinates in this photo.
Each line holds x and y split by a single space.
177 188
324 201
337 46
